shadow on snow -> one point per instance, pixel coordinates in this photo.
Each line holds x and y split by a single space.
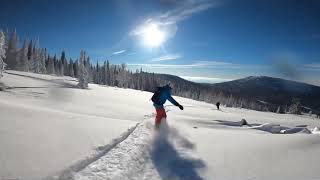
167 160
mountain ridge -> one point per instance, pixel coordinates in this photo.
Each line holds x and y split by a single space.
254 89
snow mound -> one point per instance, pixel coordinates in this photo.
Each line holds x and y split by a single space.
278 129
240 123
269 127
316 130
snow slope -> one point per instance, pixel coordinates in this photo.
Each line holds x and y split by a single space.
51 130
46 128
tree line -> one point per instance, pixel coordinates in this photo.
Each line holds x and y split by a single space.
30 57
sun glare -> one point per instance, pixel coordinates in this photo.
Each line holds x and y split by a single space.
153 36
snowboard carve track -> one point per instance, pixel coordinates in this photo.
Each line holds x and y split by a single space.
146 155
128 160
82 164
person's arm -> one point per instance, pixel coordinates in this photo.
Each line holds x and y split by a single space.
174 102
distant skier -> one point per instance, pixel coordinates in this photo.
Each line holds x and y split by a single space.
218 105
159 98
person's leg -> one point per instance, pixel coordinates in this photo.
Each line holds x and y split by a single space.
161 113
158 117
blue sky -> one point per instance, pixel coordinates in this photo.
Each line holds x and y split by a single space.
206 41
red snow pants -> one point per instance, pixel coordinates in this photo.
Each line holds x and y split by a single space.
161 113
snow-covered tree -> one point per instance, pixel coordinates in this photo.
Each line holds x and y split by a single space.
36 61
97 75
278 110
108 79
76 68
56 65
102 73
12 51
122 77
2 53
43 55
295 107
83 71
88 66
22 58
30 50
62 63
50 67
60 68
71 71
37 58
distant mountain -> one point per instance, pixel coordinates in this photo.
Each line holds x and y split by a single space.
254 92
271 90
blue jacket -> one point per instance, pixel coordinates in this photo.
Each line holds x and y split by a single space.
164 96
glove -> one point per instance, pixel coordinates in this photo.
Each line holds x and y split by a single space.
180 106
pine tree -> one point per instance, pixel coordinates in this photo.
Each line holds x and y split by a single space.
108 78
102 73
55 65
30 48
62 65
6 39
88 67
22 58
60 68
2 53
50 67
12 51
295 107
43 61
83 71
71 71
97 74
65 68
36 61
76 68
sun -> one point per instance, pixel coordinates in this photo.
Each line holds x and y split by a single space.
153 36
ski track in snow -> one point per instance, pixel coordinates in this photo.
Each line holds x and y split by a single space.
146 154
101 151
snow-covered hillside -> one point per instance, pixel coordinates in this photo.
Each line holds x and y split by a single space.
51 130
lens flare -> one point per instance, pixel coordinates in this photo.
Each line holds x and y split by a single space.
153 36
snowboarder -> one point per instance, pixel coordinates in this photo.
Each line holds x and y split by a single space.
159 98
218 105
